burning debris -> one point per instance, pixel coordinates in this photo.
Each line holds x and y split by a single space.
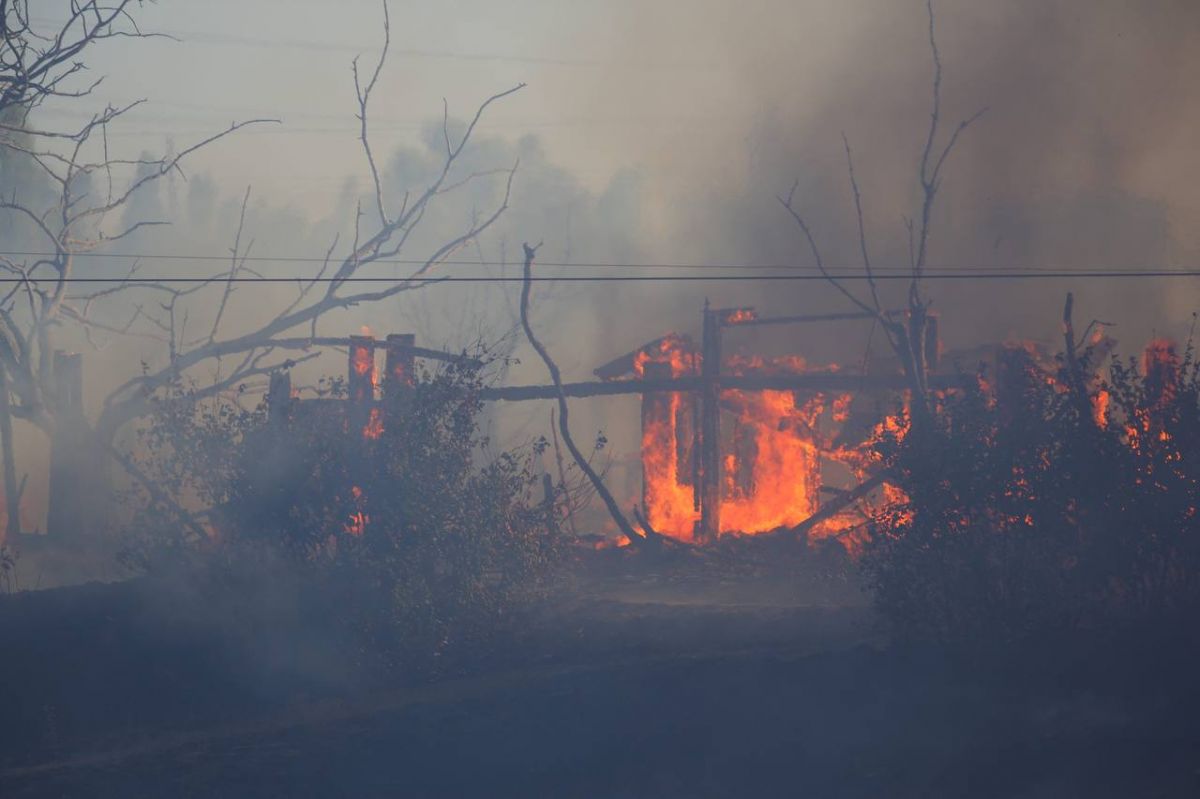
719 460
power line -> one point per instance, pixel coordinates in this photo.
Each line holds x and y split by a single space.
380 124
840 271
258 43
940 276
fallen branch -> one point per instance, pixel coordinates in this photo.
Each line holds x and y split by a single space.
835 506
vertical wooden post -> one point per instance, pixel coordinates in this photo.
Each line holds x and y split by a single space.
360 383
401 363
400 377
685 437
697 451
710 423
360 377
12 495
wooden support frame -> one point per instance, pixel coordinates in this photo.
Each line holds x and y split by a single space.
710 427
360 374
401 364
810 381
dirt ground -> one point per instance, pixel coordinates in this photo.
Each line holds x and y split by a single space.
638 685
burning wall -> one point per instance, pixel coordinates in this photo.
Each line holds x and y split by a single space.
772 447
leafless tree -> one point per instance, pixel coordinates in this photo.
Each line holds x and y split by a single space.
905 335
564 425
43 63
42 296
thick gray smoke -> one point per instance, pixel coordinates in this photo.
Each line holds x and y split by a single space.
1084 159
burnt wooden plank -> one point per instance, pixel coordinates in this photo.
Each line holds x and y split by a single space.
823 381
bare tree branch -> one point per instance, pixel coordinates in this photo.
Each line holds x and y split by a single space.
564 428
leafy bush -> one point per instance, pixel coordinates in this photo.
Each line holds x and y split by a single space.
416 533
1026 510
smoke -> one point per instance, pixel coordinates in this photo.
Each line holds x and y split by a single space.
1082 159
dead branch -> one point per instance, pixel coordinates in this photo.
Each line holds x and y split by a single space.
606 496
840 502
862 228
1076 381
562 475
906 339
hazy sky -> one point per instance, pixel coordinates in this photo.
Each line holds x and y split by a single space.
667 129
1087 156
594 83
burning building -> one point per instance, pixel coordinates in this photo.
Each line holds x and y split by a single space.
747 445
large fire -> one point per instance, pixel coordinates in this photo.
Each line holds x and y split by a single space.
772 448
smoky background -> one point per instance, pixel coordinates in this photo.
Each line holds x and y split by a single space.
663 134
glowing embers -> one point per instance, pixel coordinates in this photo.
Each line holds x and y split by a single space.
771 448
362 378
739 316
1100 408
373 429
363 387
772 471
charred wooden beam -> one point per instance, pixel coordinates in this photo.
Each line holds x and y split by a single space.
360 375
838 504
400 375
624 364
685 438
710 426
360 384
744 321
401 361
400 364
823 381
329 341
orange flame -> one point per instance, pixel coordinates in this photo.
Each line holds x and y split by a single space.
619 542
784 472
771 452
740 316
364 361
373 429
1100 405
